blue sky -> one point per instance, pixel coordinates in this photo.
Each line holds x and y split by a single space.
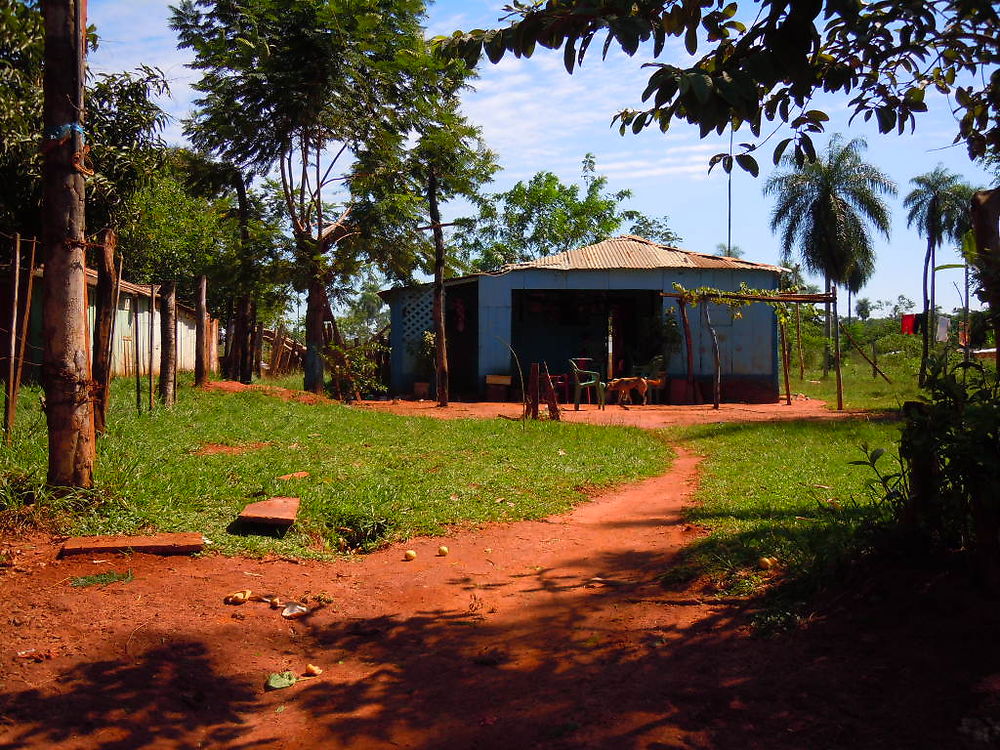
537 117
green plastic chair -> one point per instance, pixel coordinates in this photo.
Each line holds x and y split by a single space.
586 379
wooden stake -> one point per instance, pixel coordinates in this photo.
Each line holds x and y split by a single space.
550 395
783 343
798 339
104 319
138 354
690 351
875 369
836 354
152 319
167 384
717 358
8 412
200 337
532 395
25 329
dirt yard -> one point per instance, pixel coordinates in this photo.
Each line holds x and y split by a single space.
545 634
652 416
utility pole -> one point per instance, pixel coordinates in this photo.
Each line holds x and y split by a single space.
65 361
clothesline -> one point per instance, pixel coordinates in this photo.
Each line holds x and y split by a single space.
913 323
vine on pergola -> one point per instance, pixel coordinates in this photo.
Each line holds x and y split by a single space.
780 302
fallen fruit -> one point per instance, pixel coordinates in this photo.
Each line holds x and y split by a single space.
279 680
293 610
409 555
238 597
442 551
313 671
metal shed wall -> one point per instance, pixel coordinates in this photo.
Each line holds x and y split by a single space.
748 345
123 348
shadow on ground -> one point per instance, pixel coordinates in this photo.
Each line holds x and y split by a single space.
170 696
901 662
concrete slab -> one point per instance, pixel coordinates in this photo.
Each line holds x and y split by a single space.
276 511
183 543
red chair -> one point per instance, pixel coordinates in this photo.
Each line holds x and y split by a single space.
560 384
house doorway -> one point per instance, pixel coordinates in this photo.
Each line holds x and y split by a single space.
617 331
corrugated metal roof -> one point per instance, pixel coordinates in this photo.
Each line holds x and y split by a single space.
635 252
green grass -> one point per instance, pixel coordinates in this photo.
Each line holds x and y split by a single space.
861 391
784 490
101 579
373 476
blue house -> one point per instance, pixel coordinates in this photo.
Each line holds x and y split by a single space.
602 302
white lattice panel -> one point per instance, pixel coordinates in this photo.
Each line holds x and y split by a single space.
417 314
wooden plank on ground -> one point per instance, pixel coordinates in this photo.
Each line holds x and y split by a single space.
277 511
159 544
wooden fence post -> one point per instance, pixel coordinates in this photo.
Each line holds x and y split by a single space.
8 415
168 344
200 338
532 395
152 319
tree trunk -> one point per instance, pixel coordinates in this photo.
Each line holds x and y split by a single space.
227 346
168 344
925 345
716 358
256 344
440 336
65 361
827 330
104 329
244 339
200 336
689 346
836 352
315 311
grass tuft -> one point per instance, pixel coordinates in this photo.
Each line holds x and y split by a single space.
782 490
373 477
101 579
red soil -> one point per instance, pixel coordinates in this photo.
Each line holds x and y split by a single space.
212 449
541 634
285 394
651 416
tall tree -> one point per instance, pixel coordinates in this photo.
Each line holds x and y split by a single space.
285 83
764 61
21 50
448 159
545 216
939 207
729 251
65 364
824 210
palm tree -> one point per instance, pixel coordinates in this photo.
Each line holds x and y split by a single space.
729 251
856 279
939 207
825 209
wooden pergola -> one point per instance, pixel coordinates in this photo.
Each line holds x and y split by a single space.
792 298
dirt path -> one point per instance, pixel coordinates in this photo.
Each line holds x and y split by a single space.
502 643
549 634
651 416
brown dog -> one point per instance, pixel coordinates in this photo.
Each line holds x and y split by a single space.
624 387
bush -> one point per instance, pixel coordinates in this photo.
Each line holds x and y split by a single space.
945 496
